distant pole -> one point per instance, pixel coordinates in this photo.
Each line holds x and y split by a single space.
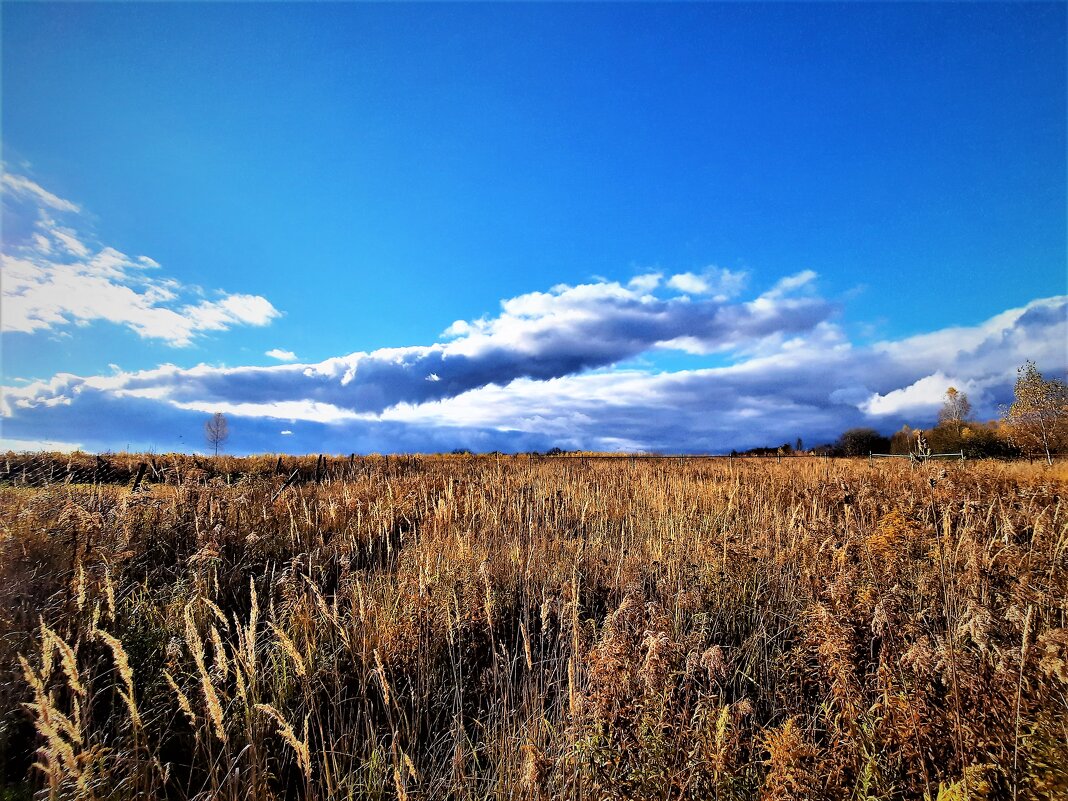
871 460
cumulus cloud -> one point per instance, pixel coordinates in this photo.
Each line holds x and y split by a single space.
54 276
646 282
281 355
815 389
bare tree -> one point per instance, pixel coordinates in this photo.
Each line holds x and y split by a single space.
216 431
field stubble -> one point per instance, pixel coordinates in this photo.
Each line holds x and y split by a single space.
471 628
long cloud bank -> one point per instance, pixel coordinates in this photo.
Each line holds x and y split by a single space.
541 373
537 336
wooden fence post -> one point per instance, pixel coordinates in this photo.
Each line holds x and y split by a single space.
141 468
288 481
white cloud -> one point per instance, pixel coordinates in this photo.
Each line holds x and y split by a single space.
688 282
30 445
70 243
718 282
646 282
309 411
791 283
281 355
286 433
53 279
20 185
218 315
923 395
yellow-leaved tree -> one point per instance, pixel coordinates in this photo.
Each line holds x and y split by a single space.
955 411
1038 417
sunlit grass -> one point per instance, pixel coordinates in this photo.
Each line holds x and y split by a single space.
501 628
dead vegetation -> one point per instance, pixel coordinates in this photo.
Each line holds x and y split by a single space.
470 628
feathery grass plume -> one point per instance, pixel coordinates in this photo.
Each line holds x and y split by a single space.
285 731
290 649
183 699
409 765
79 587
320 602
532 772
67 659
109 593
214 707
217 612
35 681
242 694
56 758
250 632
122 663
207 687
723 732
47 646
487 601
380 671
398 784
218 650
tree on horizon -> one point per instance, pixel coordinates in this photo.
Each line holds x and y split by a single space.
216 431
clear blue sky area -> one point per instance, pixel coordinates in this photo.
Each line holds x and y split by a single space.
377 171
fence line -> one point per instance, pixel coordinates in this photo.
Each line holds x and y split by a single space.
139 470
917 457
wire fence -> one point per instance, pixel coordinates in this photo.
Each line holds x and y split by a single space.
140 470
919 457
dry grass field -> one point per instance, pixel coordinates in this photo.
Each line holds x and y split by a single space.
475 628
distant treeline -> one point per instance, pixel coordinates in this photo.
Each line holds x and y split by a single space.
1035 424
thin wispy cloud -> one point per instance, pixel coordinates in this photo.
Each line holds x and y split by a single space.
55 276
21 185
720 283
281 355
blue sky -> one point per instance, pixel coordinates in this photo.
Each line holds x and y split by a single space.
856 200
